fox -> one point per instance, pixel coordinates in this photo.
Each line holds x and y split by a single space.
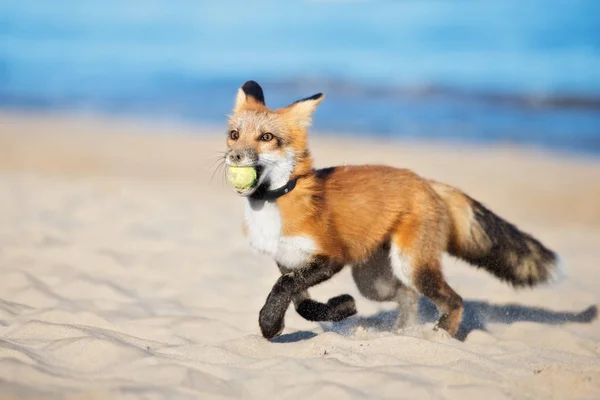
389 225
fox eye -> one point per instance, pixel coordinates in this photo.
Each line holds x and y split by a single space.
234 135
267 137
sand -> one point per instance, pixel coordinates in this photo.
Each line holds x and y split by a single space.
125 275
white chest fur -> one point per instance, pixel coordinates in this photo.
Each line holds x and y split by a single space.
263 221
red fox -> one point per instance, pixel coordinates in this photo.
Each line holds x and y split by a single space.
389 225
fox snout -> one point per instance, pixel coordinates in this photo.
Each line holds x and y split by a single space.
241 157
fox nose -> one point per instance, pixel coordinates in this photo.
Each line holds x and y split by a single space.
242 156
234 157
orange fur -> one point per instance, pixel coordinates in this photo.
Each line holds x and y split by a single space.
352 211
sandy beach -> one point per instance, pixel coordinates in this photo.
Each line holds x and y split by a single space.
125 275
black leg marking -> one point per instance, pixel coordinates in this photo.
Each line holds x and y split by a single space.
336 309
272 315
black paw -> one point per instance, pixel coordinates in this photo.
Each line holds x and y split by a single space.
341 307
336 309
271 324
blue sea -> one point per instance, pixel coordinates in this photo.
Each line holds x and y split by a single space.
525 72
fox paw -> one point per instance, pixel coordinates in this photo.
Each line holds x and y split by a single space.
341 307
336 309
271 323
271 330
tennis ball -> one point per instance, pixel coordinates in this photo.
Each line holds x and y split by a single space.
241 178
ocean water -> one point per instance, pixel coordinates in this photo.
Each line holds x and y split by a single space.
482 71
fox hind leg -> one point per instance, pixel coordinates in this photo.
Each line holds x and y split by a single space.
433 285
416 261
375 280
408 305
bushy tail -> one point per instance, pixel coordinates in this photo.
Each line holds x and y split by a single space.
485 240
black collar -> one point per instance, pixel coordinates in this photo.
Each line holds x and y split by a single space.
270 195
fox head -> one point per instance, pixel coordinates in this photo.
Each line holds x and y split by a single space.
273 141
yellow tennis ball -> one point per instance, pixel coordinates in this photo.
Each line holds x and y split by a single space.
241 178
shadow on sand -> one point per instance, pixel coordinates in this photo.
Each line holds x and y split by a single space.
294 337
476 315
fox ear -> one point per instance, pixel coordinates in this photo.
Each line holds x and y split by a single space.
302 110
249 93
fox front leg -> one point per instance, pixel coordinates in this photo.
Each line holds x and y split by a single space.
336 309
319 269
